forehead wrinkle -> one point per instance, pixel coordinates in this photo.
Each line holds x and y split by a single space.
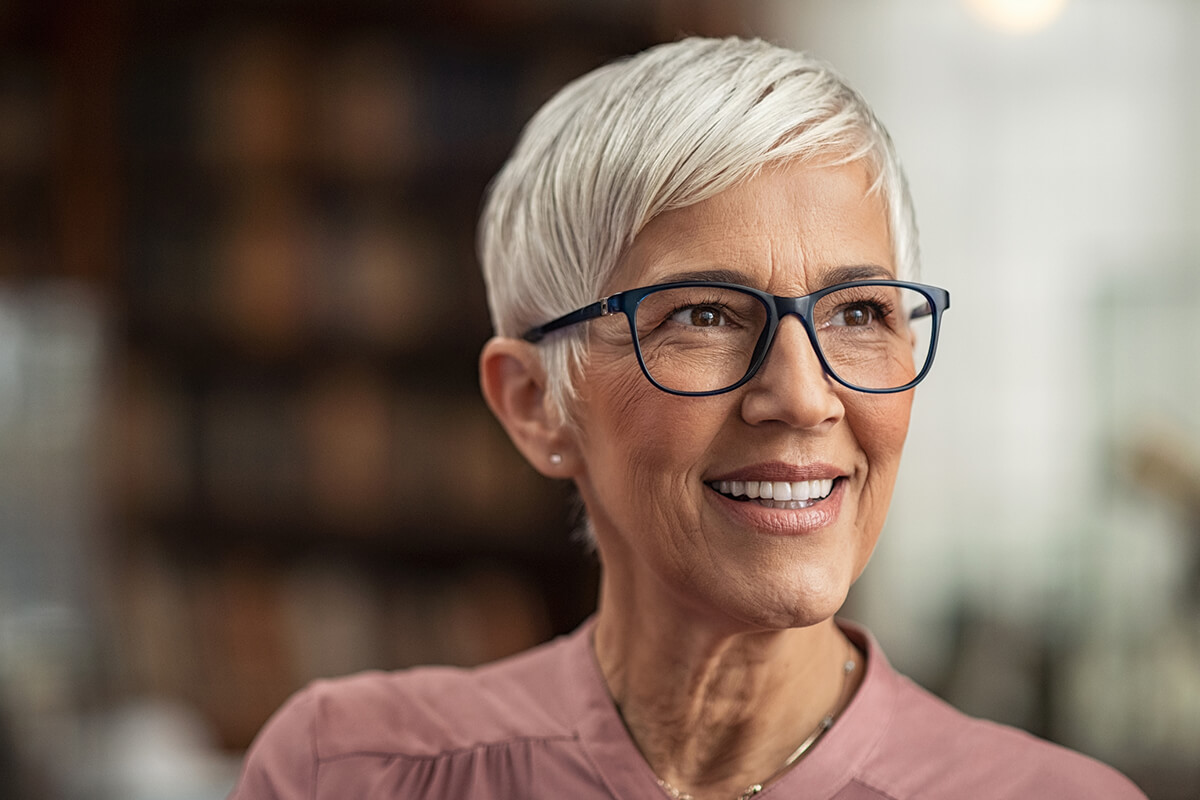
715 233
780 267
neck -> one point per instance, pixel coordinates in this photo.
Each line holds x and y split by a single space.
715 708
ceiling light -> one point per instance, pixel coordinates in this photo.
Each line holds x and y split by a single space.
1018 16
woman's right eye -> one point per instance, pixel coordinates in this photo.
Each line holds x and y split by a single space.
700 316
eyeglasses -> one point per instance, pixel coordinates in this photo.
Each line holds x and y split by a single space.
700 338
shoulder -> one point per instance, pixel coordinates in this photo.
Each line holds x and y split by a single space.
432 710
419 713
930 749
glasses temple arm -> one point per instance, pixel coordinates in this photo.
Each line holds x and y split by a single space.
600 308
922 311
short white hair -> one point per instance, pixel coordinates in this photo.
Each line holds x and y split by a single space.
664 129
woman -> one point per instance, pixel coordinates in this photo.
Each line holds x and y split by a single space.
698 262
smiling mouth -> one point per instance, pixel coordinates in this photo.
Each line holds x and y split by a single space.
789 495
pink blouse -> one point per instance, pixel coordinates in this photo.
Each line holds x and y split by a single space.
542 725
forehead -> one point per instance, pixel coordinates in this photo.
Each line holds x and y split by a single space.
785 231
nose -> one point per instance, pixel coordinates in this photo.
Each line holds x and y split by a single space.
791 386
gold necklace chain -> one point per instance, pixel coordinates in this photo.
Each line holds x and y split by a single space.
825 724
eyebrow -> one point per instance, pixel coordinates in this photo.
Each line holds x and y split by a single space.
711 275
856 272
843 274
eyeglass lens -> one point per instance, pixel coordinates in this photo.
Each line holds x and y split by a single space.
704 338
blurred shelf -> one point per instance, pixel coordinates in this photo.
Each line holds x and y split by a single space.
289 538
279 201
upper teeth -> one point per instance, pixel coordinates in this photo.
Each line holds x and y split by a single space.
776 490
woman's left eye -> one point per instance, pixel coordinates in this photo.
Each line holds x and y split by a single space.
700 316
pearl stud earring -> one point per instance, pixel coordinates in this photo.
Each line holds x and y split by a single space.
555 459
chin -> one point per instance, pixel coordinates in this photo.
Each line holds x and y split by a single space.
815 611
792 604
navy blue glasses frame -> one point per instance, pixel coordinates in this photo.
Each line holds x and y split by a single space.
777 308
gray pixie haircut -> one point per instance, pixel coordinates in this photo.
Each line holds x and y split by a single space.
664 129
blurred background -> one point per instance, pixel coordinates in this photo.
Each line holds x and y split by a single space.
241 443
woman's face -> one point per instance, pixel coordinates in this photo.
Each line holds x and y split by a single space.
652 465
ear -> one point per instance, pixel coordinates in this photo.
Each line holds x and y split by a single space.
513 381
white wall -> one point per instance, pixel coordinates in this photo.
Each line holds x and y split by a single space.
1044 168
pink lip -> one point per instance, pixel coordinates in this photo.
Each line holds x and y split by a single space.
780 471
783 521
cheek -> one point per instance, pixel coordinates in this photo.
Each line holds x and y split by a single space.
635 434
881 425
616 400
880 428
891 421
621 444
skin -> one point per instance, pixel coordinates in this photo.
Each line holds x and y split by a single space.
715 627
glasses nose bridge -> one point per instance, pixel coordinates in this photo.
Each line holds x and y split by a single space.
801 308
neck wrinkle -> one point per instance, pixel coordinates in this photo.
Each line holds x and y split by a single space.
712 709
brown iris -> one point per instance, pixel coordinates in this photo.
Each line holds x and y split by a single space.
705 316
